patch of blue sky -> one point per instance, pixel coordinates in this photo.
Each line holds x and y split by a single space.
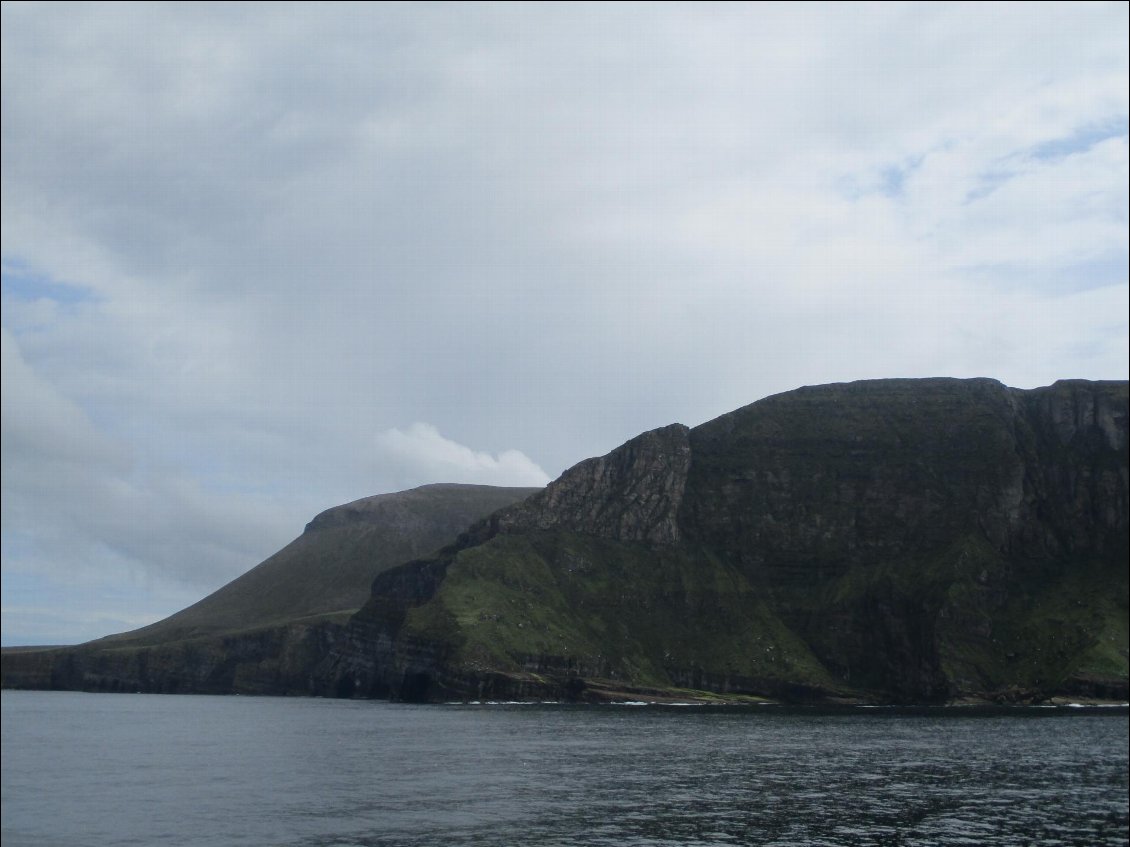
988 182
888 181
1081 140
892 179
19 281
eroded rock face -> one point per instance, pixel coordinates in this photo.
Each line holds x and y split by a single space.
1076 481
632 494
922 540
1077 408
847 473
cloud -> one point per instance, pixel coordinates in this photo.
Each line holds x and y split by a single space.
41 425
426 456
240 240
80 506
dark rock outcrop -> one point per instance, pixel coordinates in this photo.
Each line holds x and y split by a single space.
893 540
632 494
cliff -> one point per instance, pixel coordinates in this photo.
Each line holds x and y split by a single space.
932 540
893 541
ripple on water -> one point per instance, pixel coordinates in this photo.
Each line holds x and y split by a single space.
122 769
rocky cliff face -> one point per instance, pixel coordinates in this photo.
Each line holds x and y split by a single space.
632 494
907 540
884 541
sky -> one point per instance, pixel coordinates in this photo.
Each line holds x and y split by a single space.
260 260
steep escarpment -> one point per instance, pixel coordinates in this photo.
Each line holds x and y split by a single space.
905 540
882 541
905 529
632 494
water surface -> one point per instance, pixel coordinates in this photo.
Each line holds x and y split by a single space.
90 769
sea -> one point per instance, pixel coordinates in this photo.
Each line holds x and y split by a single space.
126 769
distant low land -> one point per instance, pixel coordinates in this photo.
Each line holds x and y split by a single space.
887 541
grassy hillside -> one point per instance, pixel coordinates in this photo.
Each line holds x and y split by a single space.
329 569
610 611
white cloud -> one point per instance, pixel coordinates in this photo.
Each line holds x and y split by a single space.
424 455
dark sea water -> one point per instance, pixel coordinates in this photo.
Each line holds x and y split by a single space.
89 769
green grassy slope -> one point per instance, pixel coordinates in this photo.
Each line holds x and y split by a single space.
329 569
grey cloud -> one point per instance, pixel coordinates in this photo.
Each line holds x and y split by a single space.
540 229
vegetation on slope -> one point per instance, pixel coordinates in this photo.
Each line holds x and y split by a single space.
569 604
327 572
895 540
